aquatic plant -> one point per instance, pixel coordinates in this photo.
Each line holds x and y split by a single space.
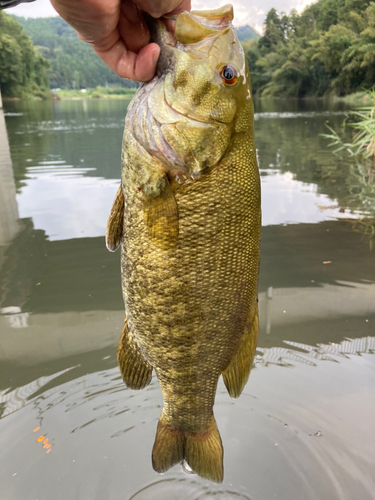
362 150
363 142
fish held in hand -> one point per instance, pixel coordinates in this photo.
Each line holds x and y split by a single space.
187 214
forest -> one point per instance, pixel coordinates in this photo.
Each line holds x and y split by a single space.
58 42
329 49
60 45
23 70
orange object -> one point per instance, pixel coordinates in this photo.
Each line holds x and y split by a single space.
36 429
48 451
40 438
45 441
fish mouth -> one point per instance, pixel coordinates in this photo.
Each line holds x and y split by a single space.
174 32
162 32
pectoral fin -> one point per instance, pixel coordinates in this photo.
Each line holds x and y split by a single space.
115 225
162 217
236 374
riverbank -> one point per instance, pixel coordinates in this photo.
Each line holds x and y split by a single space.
65 94
98 93
357 99
354 100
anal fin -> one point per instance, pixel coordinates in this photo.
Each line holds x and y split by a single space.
237 373
134 369
115 225
162 218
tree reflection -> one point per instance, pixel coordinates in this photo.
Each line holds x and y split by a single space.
291 142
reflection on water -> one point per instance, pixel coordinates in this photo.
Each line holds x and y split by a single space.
66 181
62 197
170 489
69 426
13 400
286 200
285 357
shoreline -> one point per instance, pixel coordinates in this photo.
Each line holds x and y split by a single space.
74 95
357 99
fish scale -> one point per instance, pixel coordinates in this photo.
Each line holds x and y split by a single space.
190 256
212 256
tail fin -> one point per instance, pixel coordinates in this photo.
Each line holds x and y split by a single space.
168 448
203 451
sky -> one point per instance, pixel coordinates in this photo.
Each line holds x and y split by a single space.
250 12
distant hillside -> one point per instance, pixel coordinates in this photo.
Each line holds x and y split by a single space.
246 33
73 63
23 71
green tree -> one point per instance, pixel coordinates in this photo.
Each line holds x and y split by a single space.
76 79
59 44
329 48
22 69
273 33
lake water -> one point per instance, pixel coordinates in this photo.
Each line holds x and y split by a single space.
304 426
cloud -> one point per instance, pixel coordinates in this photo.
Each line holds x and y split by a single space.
39 8
245 12
301 4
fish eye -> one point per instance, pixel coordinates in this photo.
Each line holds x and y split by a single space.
228 74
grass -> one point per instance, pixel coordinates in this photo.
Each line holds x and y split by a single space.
30 94
362 150
365 227
363 142
355 100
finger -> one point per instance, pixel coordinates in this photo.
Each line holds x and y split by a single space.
93 19
184 5
140 67
132 27
158 9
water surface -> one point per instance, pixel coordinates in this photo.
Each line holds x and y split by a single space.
69 428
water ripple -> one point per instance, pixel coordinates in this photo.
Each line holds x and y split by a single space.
170 489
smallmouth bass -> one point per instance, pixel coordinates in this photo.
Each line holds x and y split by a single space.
188 217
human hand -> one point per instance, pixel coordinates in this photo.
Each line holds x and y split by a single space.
117 31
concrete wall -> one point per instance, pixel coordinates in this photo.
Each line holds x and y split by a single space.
9 225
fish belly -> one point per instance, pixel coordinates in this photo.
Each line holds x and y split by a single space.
188 307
